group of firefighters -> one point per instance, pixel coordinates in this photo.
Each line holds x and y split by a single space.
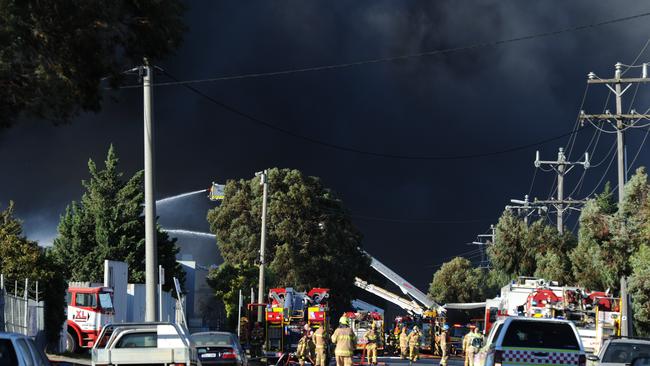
312 346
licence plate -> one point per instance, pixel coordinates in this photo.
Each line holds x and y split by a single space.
209 355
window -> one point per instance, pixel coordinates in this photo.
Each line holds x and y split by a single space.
623 352
7 353
540 335
105 301
39 355
25 352
85 300
212 339
138 340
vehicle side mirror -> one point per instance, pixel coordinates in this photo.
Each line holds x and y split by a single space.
593 358
640 361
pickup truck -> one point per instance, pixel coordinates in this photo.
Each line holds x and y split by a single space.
144 344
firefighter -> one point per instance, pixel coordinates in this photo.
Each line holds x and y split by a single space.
257 338
467 342
414 344
320 340
403 343
305 347
371 344
444 345
476 342
344 341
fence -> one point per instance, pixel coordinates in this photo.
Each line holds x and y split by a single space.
21 310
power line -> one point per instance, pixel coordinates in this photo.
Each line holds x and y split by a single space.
367 152
400 57
407 221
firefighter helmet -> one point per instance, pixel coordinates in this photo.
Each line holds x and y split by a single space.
344 320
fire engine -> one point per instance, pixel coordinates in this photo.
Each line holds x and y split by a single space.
596 314
288 314
361 322
89 309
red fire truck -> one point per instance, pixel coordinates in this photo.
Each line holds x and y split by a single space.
89 309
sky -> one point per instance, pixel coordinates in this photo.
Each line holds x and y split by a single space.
414 213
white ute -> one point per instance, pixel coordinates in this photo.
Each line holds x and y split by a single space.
144 344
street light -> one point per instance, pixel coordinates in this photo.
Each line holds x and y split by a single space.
260 290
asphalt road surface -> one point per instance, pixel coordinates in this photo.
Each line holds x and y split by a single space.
426 360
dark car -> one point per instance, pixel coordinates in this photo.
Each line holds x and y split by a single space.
219 348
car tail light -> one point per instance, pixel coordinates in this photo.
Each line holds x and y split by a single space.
582 360
177 364
498 358
229 354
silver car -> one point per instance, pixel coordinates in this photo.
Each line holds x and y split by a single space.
621 351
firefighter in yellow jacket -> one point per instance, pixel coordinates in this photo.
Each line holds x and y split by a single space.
344 341
414 344
403 343
371 344
305 348
467 343
444 345
320 340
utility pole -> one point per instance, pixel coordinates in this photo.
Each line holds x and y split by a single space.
619 118
260 290
150 248
482 241
525 208
562 167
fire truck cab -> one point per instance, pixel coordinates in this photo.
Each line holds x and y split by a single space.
89 309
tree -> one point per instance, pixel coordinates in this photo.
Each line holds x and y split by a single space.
108 224
534 250
55 53
227 280
458 281
311 242
639 282
608 238
21 258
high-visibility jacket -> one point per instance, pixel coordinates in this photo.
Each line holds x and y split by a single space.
371 337
345 342
319 338
414 338
467 341
403 340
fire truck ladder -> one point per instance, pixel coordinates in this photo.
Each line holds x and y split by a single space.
406 287
409 305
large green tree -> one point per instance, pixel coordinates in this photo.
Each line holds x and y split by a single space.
108 224
608 238
531 250
311 242
54 54
640 290
459 281
21 258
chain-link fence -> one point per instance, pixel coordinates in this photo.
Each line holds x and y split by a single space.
21 309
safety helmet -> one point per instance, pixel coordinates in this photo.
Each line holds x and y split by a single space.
415 328
344 320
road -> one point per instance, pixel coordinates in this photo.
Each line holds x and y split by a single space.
386 361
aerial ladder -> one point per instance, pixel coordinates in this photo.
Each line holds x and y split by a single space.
406 287
410 306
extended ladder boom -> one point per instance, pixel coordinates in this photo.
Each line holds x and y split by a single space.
406 287
408 305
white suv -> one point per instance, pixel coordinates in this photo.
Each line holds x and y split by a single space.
525 341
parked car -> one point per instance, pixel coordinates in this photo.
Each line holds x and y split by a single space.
621 351
219 348
519 340
144 343
20 350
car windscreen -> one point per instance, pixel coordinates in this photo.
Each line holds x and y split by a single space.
212 339
625 352
540 335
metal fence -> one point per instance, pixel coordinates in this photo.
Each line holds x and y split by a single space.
21 310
